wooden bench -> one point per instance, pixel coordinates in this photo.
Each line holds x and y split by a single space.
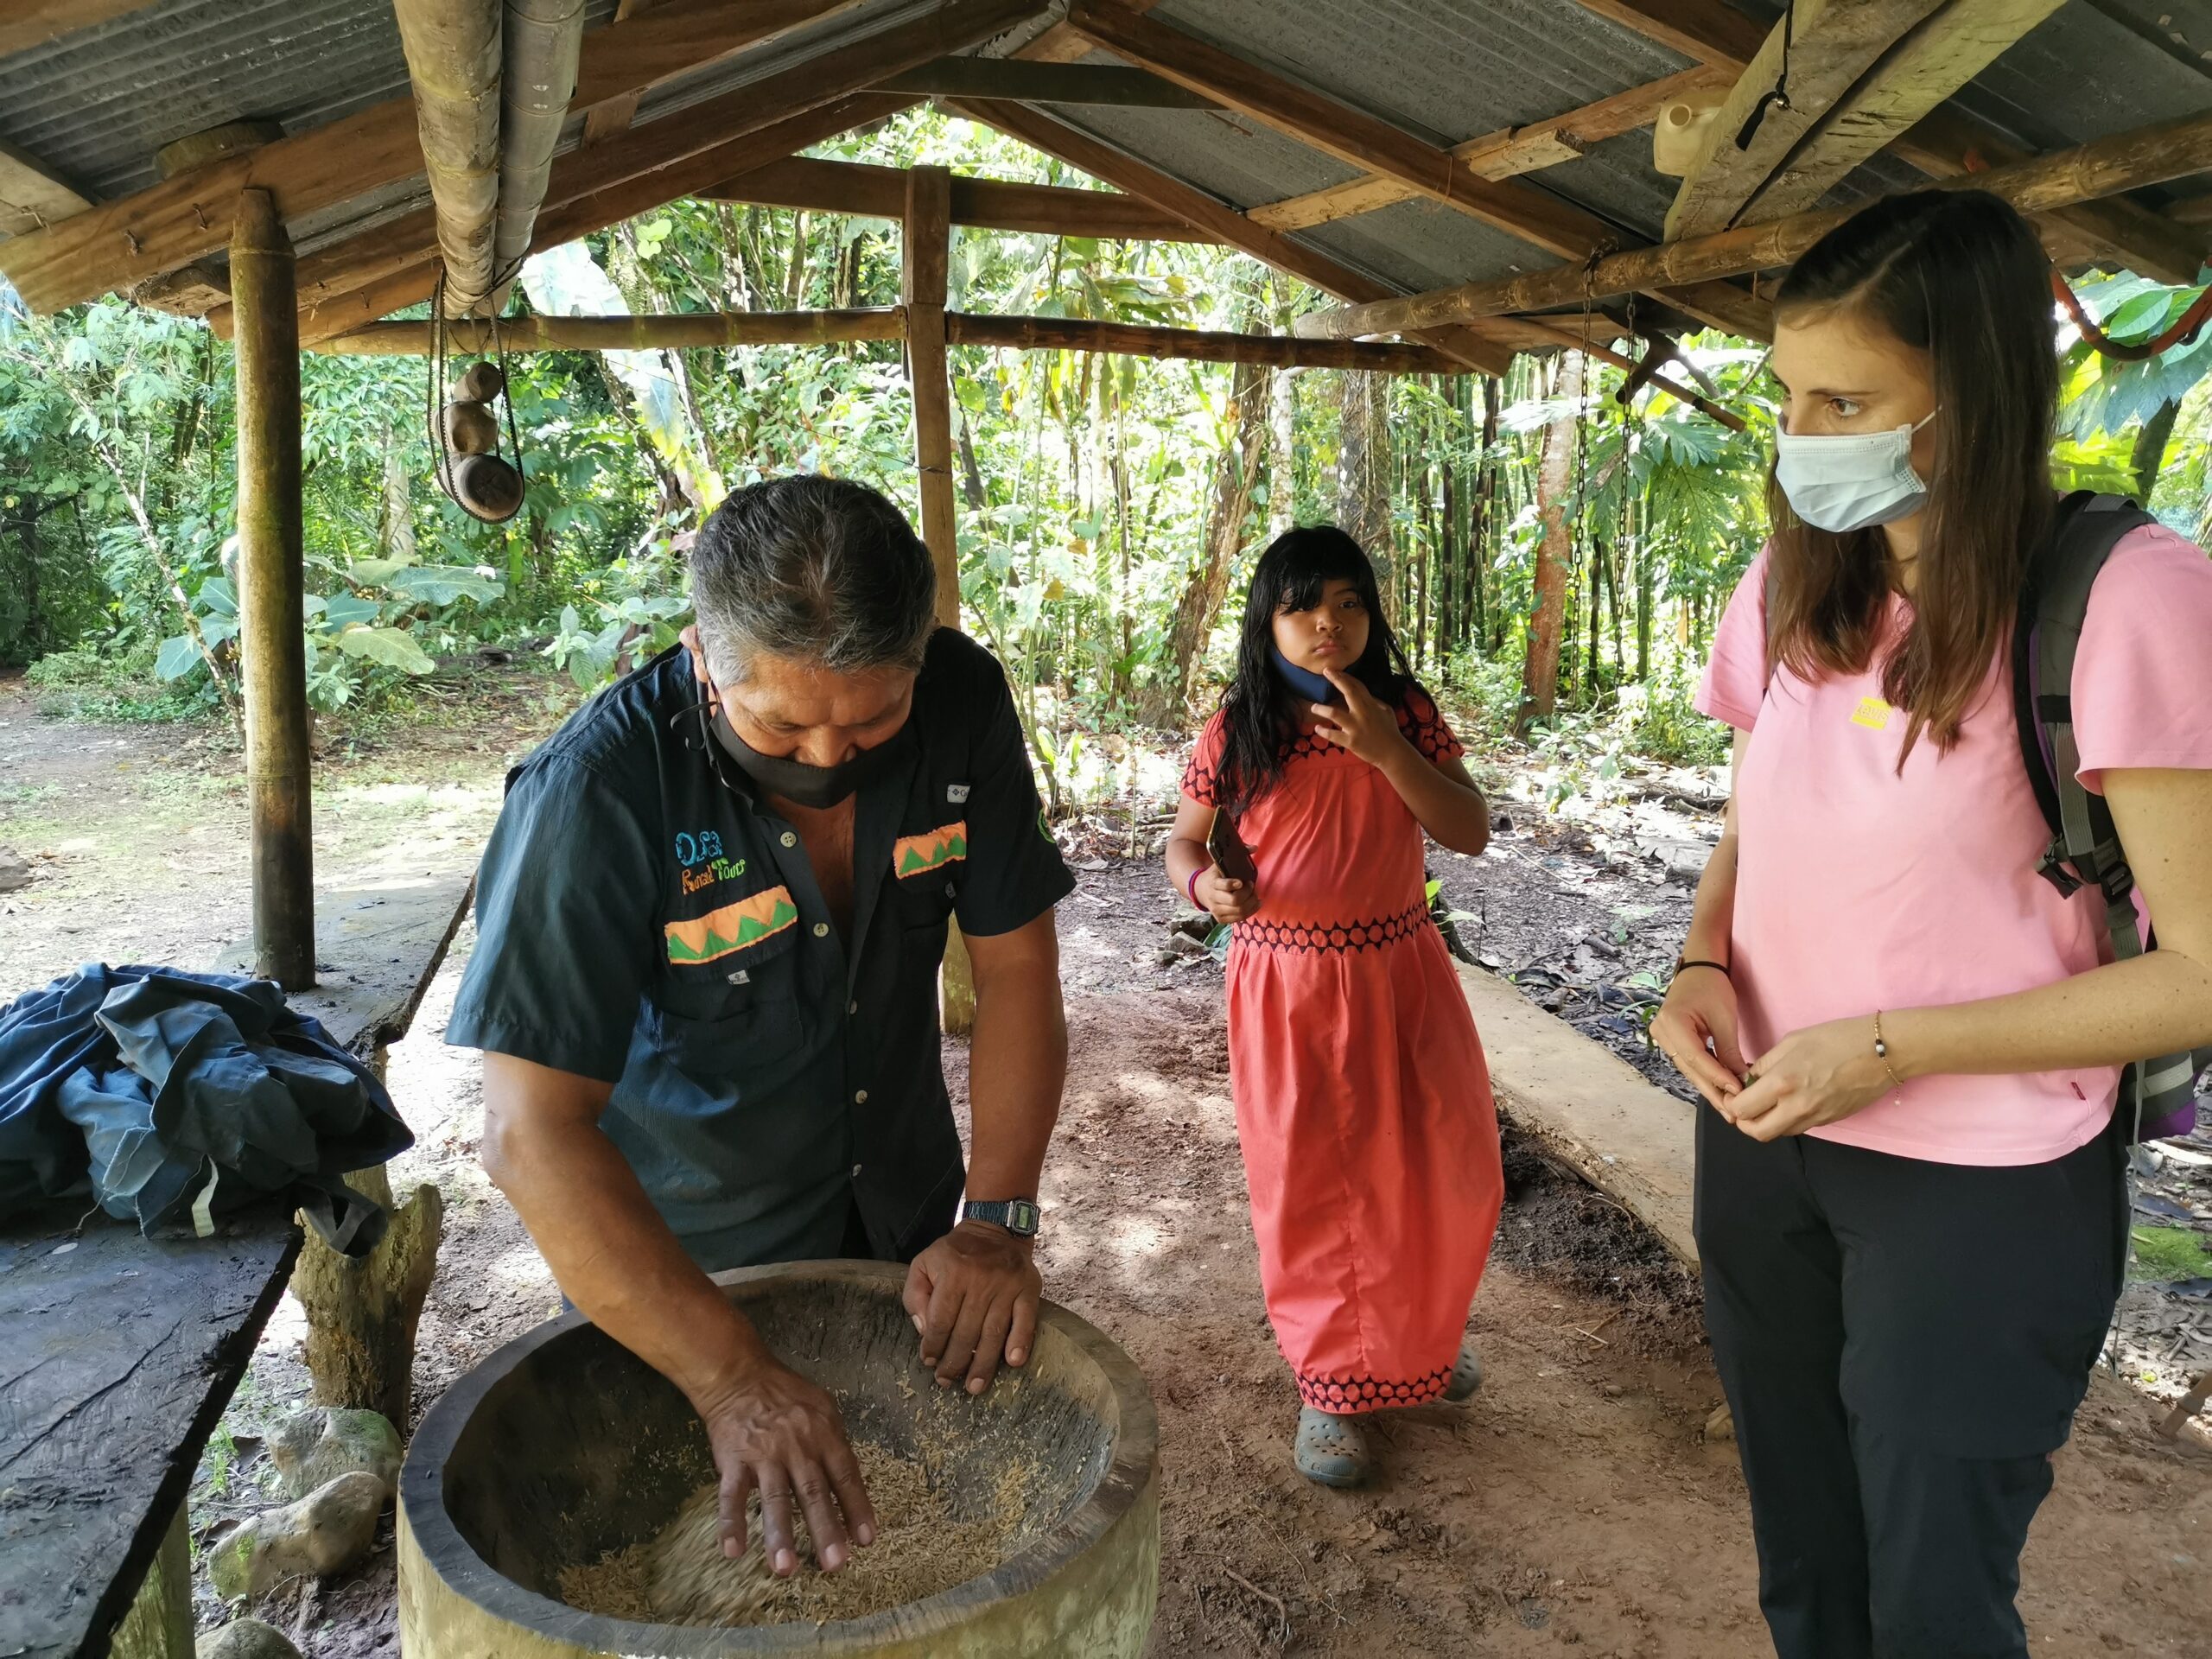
119 1353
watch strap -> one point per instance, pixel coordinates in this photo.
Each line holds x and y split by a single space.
1018 1216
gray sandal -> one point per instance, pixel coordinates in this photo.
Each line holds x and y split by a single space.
1331 1450
1466 1373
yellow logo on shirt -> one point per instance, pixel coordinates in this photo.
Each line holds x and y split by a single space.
1873 714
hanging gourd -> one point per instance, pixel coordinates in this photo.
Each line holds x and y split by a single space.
465 433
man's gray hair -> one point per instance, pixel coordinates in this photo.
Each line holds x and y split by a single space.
816 569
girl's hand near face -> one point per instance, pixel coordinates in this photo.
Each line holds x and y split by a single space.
1361 722
1820 1075
1225 899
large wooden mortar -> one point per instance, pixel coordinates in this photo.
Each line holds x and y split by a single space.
563 1446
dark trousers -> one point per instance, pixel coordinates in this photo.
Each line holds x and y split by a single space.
1903 1345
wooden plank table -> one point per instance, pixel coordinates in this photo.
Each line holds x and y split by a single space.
119 1353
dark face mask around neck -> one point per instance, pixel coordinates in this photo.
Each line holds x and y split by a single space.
1304 682
812 787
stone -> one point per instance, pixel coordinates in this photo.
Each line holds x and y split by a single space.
14 870
325 1532
312 1448
1720 1427
245 1638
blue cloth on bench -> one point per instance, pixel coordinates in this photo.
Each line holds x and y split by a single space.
172 1098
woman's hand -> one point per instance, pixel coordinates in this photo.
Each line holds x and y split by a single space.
1223 897
1700 1008
1361 722
1820 1075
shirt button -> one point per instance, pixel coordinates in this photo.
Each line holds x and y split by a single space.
859 1096
821 929
790 840
852 1007
856 1172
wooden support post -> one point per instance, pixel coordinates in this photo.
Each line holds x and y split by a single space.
924 258
363 1311
272 642
159 1624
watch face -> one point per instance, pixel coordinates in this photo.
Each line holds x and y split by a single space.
1021 1217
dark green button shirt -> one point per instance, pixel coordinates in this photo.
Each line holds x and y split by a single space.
642 918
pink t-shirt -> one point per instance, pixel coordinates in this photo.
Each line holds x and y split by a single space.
1858 888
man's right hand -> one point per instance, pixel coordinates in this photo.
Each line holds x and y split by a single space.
1226 899
773 1430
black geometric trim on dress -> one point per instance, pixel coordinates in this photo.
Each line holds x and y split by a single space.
1349 1394
1337 937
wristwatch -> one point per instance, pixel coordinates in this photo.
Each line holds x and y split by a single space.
1018 1216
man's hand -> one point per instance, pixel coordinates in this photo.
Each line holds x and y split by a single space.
774 1430
1225 899
973 1295
1360 722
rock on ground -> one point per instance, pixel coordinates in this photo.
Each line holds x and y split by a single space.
327 1531
312 1448
14 870
245 1638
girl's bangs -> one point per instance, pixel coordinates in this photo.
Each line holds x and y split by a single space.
1307 571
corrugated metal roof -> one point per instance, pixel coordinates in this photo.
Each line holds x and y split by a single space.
95 105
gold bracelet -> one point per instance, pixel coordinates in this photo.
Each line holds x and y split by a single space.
1882 1053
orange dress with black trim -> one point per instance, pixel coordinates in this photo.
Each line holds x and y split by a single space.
1362 1099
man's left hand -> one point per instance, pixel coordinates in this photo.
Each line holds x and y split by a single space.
1820 1075
973 1295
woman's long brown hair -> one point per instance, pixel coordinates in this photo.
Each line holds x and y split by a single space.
1958 276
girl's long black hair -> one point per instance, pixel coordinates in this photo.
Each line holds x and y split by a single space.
1257 712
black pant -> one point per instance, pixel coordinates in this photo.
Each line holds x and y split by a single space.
1903 1345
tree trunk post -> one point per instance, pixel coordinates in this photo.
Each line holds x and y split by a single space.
1555 550
272 643
159 1624
925 258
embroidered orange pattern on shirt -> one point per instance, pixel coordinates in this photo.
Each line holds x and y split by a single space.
918 855
733 927
1873 714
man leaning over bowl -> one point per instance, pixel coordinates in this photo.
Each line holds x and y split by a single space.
709 923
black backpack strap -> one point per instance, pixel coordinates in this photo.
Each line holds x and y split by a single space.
2054 603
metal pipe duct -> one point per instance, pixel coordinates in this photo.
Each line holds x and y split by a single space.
544 39
453 59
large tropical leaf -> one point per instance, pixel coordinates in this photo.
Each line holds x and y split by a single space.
394 647
443 584
177 657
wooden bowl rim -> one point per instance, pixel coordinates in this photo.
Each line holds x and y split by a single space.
466 1573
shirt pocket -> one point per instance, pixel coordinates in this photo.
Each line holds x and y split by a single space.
735 1025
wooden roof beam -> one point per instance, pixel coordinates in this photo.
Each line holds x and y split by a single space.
29 23
127 242
1503 153
1816 55
1032 82
1364 141
393 265
1962 39
2128 161
1224 223
31 196
685 331
1943 144
872 191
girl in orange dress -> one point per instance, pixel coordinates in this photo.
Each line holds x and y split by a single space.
1362 1101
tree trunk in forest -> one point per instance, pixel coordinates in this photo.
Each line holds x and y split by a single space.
2149 452
1481 513
1363 465
971 474
1644 585
1283 463
1554 479
1236 477
1593 624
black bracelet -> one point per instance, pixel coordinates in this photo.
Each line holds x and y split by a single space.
1682 967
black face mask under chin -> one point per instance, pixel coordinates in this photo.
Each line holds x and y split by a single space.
813 787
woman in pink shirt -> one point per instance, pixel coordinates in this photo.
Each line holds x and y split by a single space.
1909 1204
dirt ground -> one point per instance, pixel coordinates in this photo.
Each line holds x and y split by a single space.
1572 1506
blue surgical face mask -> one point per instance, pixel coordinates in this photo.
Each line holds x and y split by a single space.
1304 681
1852 482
